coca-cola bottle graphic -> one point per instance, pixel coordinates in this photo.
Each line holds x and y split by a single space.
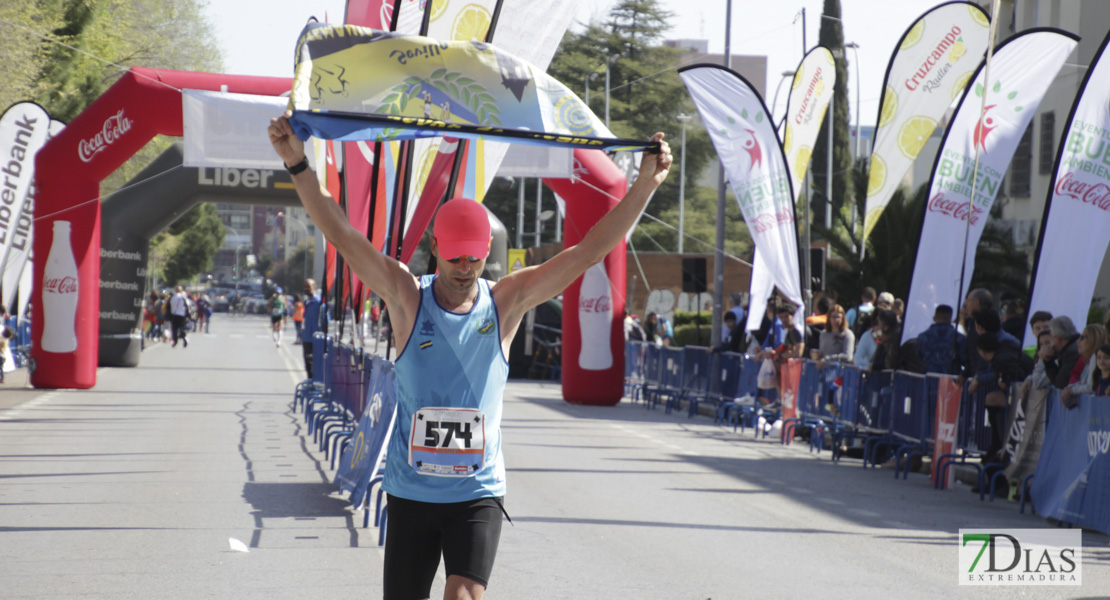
59 294
595 319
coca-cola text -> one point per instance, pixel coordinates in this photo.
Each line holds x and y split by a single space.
60 285
954 209
596 305
1097 194
768 221
113 127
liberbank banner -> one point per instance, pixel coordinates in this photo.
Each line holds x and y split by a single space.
740 127
810 95
987 127
1077 214
930 69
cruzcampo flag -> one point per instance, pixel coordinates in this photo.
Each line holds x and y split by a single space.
928 71
354 83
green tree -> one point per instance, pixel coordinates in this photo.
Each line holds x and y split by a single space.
189 244
25 54
832 37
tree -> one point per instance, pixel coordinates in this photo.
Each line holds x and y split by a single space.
832 37
189 244
25 53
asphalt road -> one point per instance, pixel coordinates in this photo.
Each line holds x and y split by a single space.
134 488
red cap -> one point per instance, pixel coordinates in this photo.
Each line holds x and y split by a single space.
462 229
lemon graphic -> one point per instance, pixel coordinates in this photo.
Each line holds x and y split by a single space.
958 50
797 79
870 219
876 179
788 139
979 17
913 36
913 134
890 106
830 58
471 24
426 162
438 7
961 83
801 162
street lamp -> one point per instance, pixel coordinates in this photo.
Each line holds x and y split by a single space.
589 78
608 58
684 119
855 56
775 102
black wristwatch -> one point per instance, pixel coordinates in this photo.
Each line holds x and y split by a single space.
297 168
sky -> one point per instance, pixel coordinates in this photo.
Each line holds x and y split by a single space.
257 36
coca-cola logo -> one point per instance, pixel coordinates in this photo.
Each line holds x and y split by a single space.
1097 194
768 221
113 127
60 285
599 304
954 209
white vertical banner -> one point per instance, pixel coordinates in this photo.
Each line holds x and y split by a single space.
935 59
742 131
24 128
810 94
988 124
1077 214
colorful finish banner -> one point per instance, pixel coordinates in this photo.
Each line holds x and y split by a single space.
1072 482
987 127
354 83
740 127
935 59
1077 214
805 112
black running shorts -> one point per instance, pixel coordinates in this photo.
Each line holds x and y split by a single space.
417 533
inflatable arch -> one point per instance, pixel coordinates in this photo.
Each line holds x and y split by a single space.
130 219
147 102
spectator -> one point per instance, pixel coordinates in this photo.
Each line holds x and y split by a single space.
816 322
737 311
632 329
1082 378
865 307
1038 323
1038 379
838 343
889 355
1101 377
941 348
792 344
899 308
976 299
1005 361
731 342
761 337
1066 351
664 331
866 344
311 323
988 321
1013 315
650 325
298 318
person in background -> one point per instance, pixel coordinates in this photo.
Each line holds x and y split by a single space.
1013 315
867 299
664 331
650 325
867 344
941 347
732 342
899 308
633 332
976 299
1006 364
1082 377
298 318
1038 379
311 323
1066 352
179 315
1038 323
815 323
1101 375
838 343
737 311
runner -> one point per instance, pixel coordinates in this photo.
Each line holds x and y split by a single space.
445 472
277 315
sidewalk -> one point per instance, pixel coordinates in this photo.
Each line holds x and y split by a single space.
132 489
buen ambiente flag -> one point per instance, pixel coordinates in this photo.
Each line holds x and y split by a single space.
740 127
1077 214
353 83
989 124
810 95
935 59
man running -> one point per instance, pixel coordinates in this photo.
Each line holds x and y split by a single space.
277 316
445 473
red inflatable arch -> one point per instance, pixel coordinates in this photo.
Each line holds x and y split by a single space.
142 104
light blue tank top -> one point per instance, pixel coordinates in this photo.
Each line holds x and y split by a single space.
446 441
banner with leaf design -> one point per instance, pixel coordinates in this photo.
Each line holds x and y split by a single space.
1077 215
740 127
929 69
353 83
987 127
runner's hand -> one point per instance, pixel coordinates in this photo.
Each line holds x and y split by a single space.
654 167
286 143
